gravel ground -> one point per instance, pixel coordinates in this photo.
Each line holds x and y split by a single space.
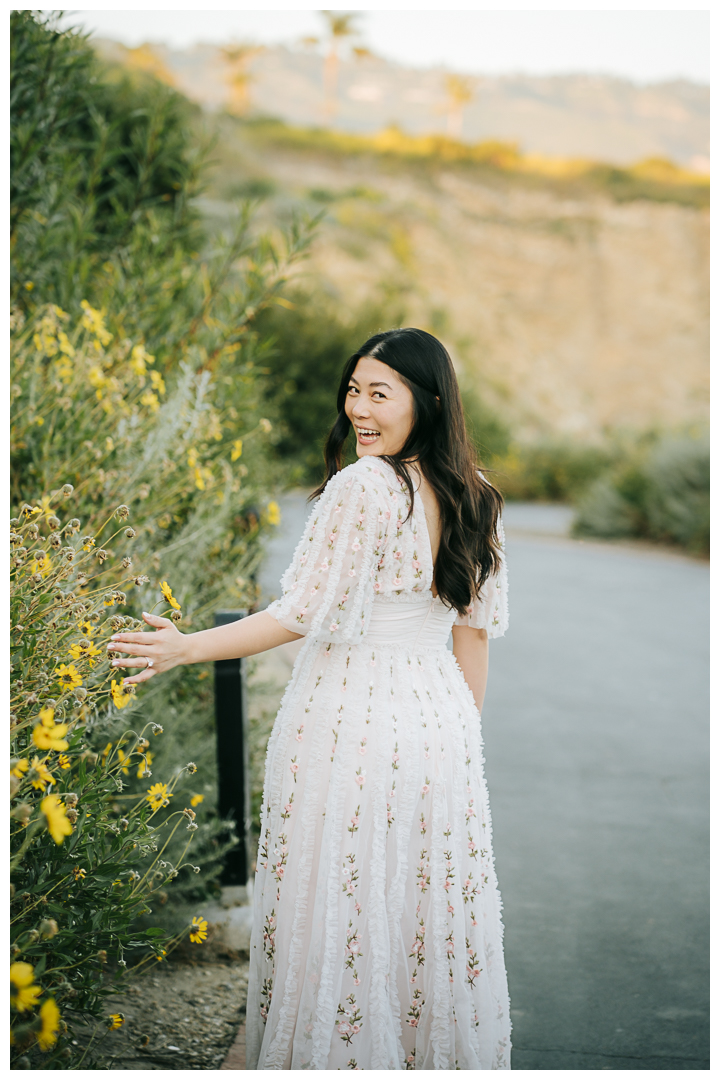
178 1015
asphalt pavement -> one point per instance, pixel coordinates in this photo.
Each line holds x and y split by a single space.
596 740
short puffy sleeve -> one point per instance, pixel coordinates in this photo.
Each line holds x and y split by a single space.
327 591
490 612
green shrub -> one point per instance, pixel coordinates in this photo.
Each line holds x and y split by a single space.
551 471
661 492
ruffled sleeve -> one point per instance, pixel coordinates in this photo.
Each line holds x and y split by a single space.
490 612
328 589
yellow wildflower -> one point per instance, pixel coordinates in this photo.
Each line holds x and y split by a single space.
192 457
122 756
158 382
43 775
120 699
29 285
88 543
47 716
196 800
273 513
50 1017
50 738
68 676
104 754
22 767
43 567
23 994
64 761
93 320
58 825
139 360
150 400
85 652
87 629
115 1020
236 451
198 930
158 795
79 873
167 593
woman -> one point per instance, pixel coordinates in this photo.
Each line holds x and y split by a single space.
377 940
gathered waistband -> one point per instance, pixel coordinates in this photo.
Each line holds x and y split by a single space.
423 625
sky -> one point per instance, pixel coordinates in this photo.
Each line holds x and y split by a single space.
642 45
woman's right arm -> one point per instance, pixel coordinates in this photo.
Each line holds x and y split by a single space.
167 647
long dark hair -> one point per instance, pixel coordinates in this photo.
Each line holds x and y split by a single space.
469 549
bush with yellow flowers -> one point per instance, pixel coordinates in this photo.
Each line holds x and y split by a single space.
90 849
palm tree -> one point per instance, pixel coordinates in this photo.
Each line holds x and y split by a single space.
237 56
339 26
460 91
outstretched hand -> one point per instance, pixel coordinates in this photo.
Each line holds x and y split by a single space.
164 646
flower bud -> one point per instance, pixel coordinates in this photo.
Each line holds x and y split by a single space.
176 616
33 935
80 694
71 798
123 512
22 813
142 579
191 767
73 525
31 699
67 490
48 928
53 522
191 828
71 814
33 532
130 533
55 540
126 563
124 823
101 554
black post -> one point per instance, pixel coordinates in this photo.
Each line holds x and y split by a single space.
232 756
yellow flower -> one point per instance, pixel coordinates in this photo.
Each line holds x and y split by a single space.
158 795
236 451
115 1020
273 513
22 767
68 676
43 774
120 699
50 1016
121 758
198 930
50 738
192 457
139 360
79 873
167 593
87 629
47 716
29 285
64 761
92 320
106 751
144 764
58 825
196 800
44 567
151 400
158 382
23 994
85 652
88 543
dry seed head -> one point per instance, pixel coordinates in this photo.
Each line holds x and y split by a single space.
102 554
176 616
48 928
130 533
33 532
69 555
53 522
71 814
142 579
71 798
73 525
123 512
126 563
67 490
55 540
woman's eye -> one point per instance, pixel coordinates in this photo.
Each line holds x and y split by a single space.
378 394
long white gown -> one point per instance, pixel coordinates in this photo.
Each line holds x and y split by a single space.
377 938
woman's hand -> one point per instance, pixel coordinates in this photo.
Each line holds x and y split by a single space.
166 647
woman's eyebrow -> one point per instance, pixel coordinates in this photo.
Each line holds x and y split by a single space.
353 379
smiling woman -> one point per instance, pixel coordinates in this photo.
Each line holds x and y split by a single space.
377 939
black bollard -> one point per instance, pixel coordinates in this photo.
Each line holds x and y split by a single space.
232 756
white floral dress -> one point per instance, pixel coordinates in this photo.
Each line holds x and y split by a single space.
377 938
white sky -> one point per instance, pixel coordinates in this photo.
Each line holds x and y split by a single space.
643 45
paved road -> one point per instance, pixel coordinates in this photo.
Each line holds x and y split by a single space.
596 741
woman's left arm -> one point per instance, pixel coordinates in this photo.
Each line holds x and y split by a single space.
471 650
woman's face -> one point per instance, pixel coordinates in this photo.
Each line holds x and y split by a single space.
380 407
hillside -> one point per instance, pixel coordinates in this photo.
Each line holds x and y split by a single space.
570 310
600 117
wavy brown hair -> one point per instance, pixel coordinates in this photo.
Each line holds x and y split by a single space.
470 507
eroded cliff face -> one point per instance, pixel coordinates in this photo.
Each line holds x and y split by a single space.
570 314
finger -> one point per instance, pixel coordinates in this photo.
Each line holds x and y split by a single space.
141 677
128 661
138 639
133 650
156 620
